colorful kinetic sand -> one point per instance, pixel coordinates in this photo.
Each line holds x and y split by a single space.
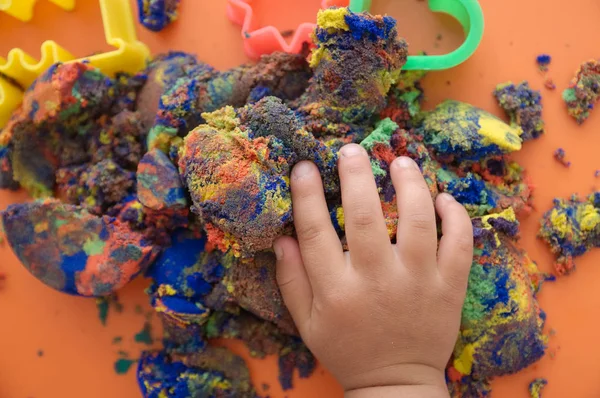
268 39
543 60
192 88
157 14
161 377
261 40
583 91
500 314
158 184
199 295
73 251
549 84
20 69
193 164
571 228
560 156
536 387
75 133
523 107
463 132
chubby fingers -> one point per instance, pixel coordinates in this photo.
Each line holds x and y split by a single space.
319 244
367 235
455 252
417 235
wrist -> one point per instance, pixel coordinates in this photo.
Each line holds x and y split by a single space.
403 381
400 391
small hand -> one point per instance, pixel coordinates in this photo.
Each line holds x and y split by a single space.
382 318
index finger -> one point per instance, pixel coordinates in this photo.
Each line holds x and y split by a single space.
320 246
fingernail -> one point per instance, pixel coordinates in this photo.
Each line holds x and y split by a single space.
446 197
407 163
302 169
352 150
278 251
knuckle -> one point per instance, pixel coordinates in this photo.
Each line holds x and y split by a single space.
420 222
283 281
363 219
306 191
311 234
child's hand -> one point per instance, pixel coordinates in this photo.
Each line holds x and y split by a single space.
382 318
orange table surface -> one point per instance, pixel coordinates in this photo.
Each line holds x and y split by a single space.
78 352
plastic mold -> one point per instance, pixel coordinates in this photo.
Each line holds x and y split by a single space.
23 9
130 55
470 16
267 39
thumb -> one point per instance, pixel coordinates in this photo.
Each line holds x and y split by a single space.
292 280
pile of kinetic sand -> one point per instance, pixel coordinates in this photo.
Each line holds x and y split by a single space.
536 387
571 228
157 14
523 106
583 91
182 172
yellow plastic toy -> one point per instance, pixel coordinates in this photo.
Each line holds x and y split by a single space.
119 29
23 9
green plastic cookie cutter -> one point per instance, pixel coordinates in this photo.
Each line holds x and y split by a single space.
470 16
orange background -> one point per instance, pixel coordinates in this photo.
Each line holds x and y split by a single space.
78 351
